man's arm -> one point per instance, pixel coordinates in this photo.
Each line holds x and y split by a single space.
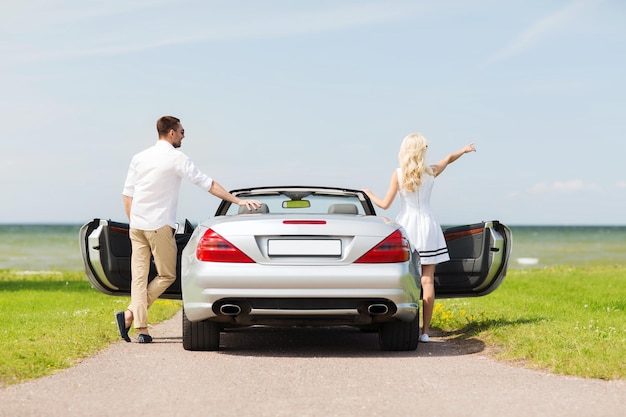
128 202
218 191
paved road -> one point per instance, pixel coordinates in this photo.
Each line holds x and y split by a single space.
305 372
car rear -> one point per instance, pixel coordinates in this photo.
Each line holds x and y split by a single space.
298 270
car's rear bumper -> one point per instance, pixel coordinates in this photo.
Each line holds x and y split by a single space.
248 294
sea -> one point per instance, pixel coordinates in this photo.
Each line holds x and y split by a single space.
55 247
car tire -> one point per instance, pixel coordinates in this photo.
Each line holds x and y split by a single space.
399 335
200 335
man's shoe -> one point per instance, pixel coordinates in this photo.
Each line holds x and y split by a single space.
144 338
424 338
121 325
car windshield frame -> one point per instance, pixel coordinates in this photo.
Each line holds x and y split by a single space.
315 200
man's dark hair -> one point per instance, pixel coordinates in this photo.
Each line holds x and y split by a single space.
167 123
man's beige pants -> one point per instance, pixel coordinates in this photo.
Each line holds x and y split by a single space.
161 244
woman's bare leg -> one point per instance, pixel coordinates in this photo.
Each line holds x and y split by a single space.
428 296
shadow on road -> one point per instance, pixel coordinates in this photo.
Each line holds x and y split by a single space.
351 342
345 341
330 342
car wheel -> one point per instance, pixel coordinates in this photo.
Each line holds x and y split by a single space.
399 335
200 335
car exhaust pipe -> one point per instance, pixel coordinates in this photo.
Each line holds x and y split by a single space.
230 309
377 309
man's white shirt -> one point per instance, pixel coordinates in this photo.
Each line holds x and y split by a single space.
153 182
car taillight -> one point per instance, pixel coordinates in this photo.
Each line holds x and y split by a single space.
394 248
214 248
304 221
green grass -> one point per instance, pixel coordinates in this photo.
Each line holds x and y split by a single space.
50 321
570 321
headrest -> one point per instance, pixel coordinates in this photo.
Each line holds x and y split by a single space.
344 208
261 209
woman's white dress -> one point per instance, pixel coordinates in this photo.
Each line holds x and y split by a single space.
424 233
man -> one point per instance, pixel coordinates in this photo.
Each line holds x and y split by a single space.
150 200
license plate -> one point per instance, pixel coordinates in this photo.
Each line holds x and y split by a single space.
304 247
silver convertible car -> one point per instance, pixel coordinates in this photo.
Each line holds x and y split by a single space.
309 256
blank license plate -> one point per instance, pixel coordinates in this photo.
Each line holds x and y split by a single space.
302 247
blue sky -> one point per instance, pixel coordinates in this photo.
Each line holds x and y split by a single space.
318 93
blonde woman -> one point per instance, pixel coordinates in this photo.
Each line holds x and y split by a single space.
414 181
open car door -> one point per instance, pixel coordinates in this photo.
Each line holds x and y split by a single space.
479 255
106 248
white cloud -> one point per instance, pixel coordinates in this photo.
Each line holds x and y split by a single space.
620 184
208 23
563 187
545 27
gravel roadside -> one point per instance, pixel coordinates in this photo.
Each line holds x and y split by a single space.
305 372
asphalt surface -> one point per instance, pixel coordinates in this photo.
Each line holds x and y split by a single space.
306 372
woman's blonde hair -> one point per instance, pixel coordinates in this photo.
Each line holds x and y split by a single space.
412 157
